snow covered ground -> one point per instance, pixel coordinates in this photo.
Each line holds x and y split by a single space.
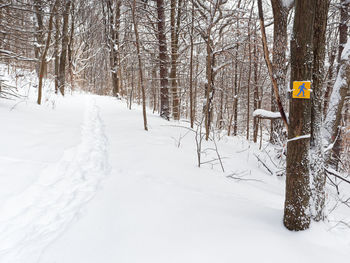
84 183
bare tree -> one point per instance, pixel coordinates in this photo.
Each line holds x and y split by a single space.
133 8
65 39
163 61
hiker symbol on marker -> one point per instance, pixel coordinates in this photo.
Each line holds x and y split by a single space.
301 89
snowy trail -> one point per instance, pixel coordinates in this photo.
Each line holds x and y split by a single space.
154 206
157 206
32 220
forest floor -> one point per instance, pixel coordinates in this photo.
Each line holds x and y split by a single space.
82 182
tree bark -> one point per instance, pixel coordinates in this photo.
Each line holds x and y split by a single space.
343 37
39 34
269 66
296 208
340 90
43 56
256 89
140 65
209 87
65 39
70 47
163 65
236 88
175 19
280 16
317 157
191 67
56 47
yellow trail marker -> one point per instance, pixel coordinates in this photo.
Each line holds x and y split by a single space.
301 89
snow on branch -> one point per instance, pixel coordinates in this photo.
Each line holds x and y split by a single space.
265 114
307 136
287 3
9 54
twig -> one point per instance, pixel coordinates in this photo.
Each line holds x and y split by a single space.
243 179
334 184
337 175
263 164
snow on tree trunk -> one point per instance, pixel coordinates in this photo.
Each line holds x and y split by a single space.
317 173
280 16
336 102
296 209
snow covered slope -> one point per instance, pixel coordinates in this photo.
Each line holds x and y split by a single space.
84 183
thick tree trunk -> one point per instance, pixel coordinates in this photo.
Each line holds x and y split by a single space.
317 157
163 65
296 209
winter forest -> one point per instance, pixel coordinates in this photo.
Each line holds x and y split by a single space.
180 131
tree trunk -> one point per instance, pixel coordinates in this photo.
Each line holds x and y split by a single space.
343 36
191 67
249 71
70 47
327 94
175 24
43 56
296 209
256 90
270 67
163 65
56 48
235 98
140 65
209 88
280 16
336 103
65 39
317 157
39 33
343 28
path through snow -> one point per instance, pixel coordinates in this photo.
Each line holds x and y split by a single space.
30 221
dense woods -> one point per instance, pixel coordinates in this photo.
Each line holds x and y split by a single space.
225 65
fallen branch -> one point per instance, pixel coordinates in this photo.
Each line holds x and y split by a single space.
333 183
264 164
336 174
243 179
